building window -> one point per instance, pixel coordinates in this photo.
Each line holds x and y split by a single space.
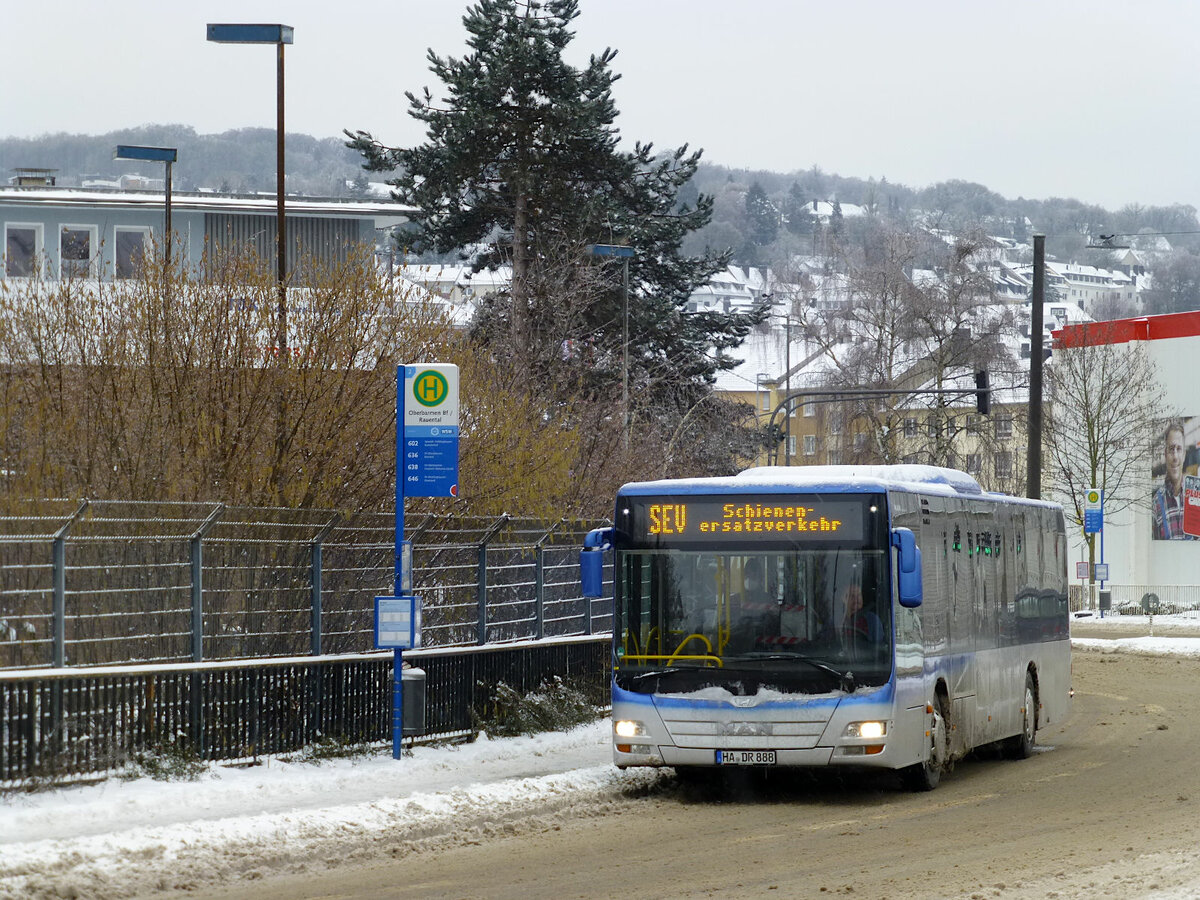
910 428
810 445
75 248
835 423
791 445
22 248
131 244
835 457
1004 427
973 423
974 463
810 410
1003 464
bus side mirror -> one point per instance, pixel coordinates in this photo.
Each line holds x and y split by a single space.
911 592
591 562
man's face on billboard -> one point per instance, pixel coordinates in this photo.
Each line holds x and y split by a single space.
1173 453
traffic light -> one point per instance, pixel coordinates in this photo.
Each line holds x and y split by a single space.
983 392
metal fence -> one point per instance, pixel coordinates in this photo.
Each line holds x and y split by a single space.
109 582
1139 599
61 723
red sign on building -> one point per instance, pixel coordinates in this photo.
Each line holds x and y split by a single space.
1191 505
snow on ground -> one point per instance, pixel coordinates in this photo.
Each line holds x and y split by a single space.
123 838
120 838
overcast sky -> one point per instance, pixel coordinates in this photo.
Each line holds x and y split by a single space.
1037 98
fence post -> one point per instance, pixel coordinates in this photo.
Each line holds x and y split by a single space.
59 576
481 596
58 626
539 586
481 577
540 582
316 583
198 582
196 679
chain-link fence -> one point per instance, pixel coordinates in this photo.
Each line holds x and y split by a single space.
103 582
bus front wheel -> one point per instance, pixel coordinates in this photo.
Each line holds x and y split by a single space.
927 775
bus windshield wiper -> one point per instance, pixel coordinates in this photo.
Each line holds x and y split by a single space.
639 677
845 679
652 673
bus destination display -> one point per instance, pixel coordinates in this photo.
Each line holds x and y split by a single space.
665 520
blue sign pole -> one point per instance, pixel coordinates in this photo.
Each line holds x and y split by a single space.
1102 539
398 654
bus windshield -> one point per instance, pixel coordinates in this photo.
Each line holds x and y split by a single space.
797 619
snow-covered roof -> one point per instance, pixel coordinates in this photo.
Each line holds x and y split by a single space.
824 208
385 214
459 279
1080 272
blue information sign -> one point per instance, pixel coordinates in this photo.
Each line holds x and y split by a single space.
428 431
397 623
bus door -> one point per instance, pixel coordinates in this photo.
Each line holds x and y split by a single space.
961 618
911 511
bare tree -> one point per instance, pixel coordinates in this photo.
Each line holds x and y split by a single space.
163 387
916 313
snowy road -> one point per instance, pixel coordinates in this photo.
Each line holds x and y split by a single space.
1110 810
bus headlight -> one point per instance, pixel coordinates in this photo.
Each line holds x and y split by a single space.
627 728
869 730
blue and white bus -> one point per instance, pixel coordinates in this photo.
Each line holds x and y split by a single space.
891 617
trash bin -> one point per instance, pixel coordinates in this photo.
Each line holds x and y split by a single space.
413 711
1105 601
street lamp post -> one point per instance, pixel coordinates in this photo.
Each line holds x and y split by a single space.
761 379
277 35
623 253
166 155
787 384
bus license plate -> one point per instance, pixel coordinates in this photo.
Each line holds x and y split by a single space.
745 757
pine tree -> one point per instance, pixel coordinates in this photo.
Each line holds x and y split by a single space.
836 220
798 216
761 216
521 166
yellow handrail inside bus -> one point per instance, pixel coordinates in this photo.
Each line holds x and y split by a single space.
724 615
696 636
630 637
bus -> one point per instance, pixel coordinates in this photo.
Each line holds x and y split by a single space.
882 617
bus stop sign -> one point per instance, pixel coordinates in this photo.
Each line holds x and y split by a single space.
427 430
1093 511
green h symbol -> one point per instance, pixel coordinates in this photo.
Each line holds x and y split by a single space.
430 388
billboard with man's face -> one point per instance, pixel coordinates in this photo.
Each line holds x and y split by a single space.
1175 503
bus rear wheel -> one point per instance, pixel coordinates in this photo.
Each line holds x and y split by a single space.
1020 746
